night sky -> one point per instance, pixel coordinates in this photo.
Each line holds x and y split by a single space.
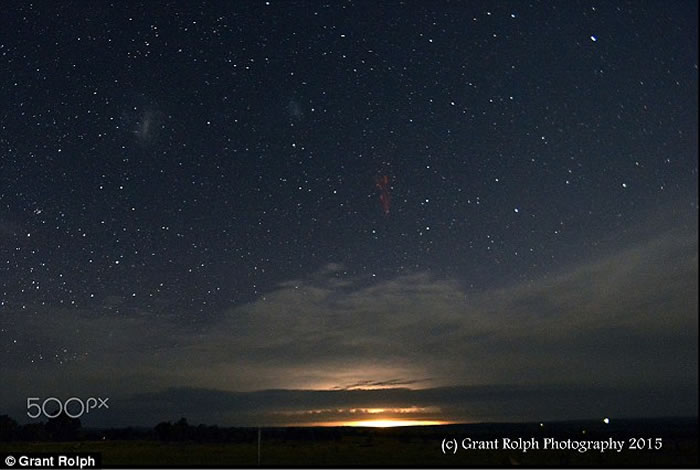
278 212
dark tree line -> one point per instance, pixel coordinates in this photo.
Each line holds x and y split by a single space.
65 428
182 431
60 428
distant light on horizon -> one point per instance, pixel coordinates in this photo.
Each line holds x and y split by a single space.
384 423
392 423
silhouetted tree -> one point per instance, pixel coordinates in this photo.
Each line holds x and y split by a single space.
34 432
181 430
9 429
164 430
63 427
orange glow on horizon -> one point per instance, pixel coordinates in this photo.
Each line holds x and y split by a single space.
385 423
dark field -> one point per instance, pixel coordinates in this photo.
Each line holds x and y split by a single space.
417 446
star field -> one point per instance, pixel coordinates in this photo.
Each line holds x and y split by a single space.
173 164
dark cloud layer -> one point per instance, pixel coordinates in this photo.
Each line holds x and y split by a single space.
617 335
450 404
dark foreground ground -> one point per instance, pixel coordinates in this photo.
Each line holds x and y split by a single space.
404 447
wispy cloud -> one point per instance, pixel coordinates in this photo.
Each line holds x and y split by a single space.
623 322
374 384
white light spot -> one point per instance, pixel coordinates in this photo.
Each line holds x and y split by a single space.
606 420
516 210
624 185
594 39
